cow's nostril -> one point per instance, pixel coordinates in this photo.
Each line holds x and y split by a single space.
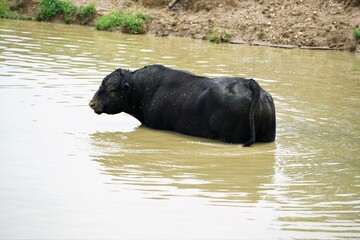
92 103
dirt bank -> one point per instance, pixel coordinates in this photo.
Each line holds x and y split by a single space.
312 23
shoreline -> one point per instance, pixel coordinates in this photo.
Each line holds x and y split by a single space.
277 23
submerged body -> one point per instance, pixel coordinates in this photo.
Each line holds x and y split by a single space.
234 110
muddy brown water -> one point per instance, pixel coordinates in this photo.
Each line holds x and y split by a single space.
67 173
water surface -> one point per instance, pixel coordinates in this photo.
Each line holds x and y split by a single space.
67 173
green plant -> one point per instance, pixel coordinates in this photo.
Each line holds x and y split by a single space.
133 22
260 34
68 9
227 36
4 9
110 21
217 36
86 13
48 9
357 33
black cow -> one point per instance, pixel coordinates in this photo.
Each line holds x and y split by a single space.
234 110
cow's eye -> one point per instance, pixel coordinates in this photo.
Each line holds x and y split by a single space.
110 89
112 94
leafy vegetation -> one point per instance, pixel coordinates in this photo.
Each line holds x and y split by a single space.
48 9
260 34
217 36
357 33
111 21
5 11
133 22
68 9
86 13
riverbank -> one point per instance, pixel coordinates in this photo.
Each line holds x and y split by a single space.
317 24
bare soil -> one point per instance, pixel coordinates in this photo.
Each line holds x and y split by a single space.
312 23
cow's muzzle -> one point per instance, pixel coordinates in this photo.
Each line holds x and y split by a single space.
95 106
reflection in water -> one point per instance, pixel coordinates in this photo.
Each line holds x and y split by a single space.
304 194
163 164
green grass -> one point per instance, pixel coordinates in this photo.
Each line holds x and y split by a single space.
133 22
217 36
357 33
69 10
260 34
5 11
86 13
111 21
48 9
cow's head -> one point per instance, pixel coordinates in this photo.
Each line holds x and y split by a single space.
112 96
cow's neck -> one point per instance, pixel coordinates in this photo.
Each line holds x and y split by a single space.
138 97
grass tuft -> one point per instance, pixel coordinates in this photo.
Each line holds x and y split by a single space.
357 33
86 13
5 11
133 22
69 10
48 9
260 34
111 21
218 36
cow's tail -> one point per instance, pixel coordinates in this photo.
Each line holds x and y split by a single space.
255 89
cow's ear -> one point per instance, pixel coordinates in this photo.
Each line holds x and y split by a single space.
126 87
